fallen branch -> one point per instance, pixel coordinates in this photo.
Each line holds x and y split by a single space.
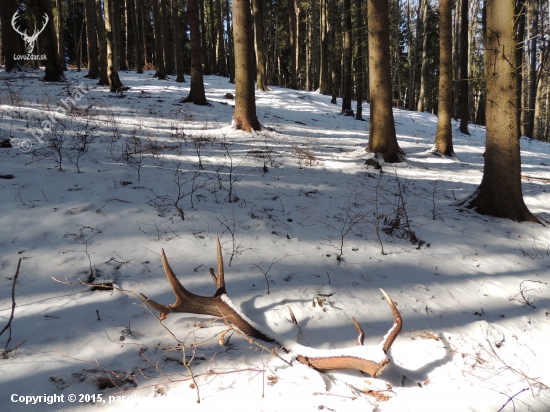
8 326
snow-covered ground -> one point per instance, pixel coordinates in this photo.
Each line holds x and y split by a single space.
472 290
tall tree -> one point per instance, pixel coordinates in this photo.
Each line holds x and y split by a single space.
135 32
166 47
463 61
231 69
359 72
54 67
424 69
444 133
196 92
382 137
324 83
520 13
292 43
347 75
499 193
244 117
221 40
102 42
177 41
204 40
534 13
91 39
159 50
9 37
120 14
112 53
60 34
259 44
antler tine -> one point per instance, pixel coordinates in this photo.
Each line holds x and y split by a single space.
13 22
180 292
396 328
220 280
361 337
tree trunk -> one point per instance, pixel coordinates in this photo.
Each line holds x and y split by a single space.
332 57
499 193
382 137
221 41
244 117
444 134
230 45
297 42
135 32
359 75
424 70
464 110
91 39
410 58
60 37
542 63
145 24
177 42
102 42
324 84
54 67
166 46
348 57
9 36
259 43
292 42
159 50
119 9
520 13
214 64
196 92
112 53
456 60
204 42
534 12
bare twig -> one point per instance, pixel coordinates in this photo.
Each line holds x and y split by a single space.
8 326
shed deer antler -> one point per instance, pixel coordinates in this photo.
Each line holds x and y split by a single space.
368 359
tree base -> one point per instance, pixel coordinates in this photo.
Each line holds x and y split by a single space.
486 204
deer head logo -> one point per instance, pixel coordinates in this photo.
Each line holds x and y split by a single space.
29 40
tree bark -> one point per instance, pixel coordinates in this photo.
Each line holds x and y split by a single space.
534 12
221 40
499 193
112 53
145 23
520 13
359 76
9 36
332 56
91 39
244 117
324 84
196 92
177 41
119 11
102 42
60 37
214 64
54 66
382 137
464 99
292 42
230 45
135 32
444 134
166 46
259 43
424 70
348 57
204 40
410 58
159 50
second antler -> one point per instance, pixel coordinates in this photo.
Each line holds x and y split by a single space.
368 359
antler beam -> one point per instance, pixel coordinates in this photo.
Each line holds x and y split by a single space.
368 359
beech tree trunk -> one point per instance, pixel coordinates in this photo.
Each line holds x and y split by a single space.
382 137
499 193
91 40
259 43
348 56
244 117
196 92
444 134
159 50
102 42
112 53
177 42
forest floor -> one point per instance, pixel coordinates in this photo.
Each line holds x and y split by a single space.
306 219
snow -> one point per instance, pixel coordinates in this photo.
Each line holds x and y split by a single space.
470 340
